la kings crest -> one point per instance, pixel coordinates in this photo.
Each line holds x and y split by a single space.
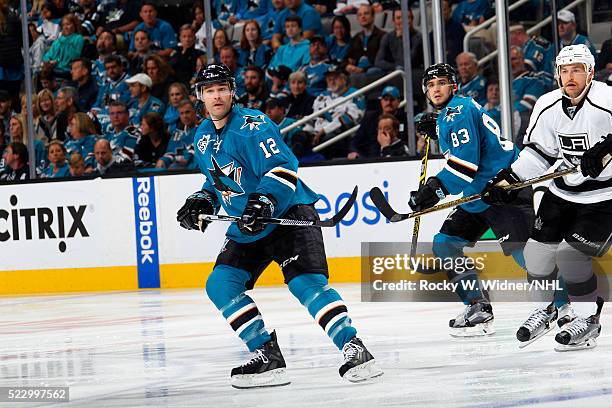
573 146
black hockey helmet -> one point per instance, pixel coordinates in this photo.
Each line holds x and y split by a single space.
437 71
214 74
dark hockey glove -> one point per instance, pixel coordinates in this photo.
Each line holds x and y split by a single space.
428 195
200 202
591 163
427 125
494 194
258 206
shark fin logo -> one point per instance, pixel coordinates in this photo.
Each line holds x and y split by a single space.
253 122
452 112
226 179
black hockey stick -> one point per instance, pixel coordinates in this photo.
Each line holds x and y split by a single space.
417 220
385 208
332 222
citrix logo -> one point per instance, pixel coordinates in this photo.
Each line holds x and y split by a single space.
47 222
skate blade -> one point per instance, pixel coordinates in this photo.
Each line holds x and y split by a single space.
589 344
482 329
272 378
363 372
524 344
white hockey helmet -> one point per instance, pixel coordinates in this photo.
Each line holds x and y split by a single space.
575 54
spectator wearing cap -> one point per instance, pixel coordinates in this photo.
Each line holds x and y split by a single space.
310 21
388 139
160 32
364 144
471 83
142 101
538 51
252 50
338 41
58 167
340 118
106 45
114 87
566 23
87 88
180 153
15 159
317 67
295 53
276 110
183 59
390 55
279 78
229 57
255 86
365 44
122 136
299 101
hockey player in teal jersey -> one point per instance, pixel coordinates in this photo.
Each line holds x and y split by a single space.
475 151
252 173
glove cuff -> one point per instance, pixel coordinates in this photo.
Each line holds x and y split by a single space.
437 187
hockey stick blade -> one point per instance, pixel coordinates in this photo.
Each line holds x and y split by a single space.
332 222
379 200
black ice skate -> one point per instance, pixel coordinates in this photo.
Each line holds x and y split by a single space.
475 320
359 365
266 369
581 333
540 322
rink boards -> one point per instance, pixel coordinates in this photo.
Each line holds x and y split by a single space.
121 234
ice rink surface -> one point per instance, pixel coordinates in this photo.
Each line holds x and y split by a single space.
173 349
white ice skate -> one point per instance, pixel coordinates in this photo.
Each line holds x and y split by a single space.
540 322
581 333
359 365
475 320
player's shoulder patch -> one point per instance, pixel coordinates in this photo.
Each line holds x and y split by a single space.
202 143
451 113
253 121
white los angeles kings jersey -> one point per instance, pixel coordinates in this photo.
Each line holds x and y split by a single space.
559 131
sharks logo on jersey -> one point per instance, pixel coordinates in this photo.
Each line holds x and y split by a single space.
226 179
451 112
253 122
203 143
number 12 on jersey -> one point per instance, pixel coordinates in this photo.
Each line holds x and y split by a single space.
271 145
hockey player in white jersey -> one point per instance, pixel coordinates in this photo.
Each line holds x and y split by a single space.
572 124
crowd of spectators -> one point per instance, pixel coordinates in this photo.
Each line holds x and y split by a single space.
113 79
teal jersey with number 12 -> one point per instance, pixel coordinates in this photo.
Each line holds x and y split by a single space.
249 156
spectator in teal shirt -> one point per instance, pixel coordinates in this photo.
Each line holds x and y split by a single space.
67 47
296 52
567 32
160 32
